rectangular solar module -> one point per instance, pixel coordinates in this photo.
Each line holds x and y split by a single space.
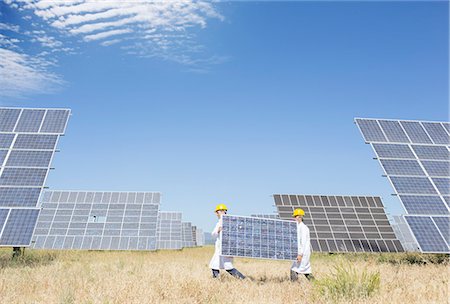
259 238
199 237
415 156
342 223
169 230
188 240
86 220
28 139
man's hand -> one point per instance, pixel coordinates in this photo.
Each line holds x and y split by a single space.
220 229
299 258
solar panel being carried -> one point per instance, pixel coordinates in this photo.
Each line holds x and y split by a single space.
415 156
342 223
259 238
169 230
28 139
97 220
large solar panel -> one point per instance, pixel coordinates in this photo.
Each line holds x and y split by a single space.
415 156
259 238
342 223
188 240
169 230
28 139
97 220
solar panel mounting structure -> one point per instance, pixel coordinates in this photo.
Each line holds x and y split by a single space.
259 238
28 140
169 230
415 157
97 220
342 223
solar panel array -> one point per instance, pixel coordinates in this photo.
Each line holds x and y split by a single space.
342 223
28 139
259 238
97 220
415 156
188 240
169 230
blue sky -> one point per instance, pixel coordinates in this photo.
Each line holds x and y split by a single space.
225 102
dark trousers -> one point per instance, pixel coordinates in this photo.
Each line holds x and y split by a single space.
234 272
294 276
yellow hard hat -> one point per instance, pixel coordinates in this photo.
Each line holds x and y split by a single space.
221 207
297 212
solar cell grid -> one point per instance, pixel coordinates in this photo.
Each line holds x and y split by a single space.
416 132
67 221
427 234
437 133
259 238
393 130
347 218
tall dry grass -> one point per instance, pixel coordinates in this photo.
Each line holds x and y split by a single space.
183 277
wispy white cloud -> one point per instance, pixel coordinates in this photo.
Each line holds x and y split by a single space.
145 28
22 74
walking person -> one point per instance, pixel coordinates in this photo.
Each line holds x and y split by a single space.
302 264
218 261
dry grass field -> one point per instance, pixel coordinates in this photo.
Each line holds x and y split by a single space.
183 277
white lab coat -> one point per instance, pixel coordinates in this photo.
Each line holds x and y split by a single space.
304 249
218 261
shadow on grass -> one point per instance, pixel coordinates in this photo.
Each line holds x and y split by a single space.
28 259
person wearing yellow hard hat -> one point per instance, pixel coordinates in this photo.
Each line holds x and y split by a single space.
302 264
218 261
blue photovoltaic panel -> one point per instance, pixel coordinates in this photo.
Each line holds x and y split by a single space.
422 204
393 131
437 168
371 130
431 152
30 159
412 185
259 238
19 197
26 152
415 132
55 121
393 151
443 185
443 224
3 216
19 227
427 234
30 121
6 140
169 230
402 167
8 119
437 133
